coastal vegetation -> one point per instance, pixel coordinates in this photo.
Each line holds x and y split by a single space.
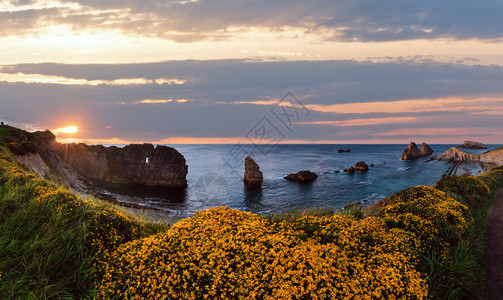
422 242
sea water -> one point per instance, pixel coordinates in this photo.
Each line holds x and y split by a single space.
215 178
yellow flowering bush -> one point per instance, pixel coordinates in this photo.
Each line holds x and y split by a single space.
435 218
471 189
223 253
493 178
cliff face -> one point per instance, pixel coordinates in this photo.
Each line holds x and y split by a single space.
140 164
494 157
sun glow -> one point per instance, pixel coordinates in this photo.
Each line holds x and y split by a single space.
69 130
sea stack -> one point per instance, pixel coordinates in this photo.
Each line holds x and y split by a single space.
426 149
473 145
411 152
253 176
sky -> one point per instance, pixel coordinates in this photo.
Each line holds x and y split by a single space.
229 71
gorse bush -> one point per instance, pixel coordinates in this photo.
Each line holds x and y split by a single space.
228 254
434 217
472 190
493 178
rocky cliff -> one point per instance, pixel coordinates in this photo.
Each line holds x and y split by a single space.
494 157
136 164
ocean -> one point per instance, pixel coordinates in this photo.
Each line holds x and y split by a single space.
215 178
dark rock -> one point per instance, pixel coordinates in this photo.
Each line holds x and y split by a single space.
426 149
372 165
253 176
302 176
343 150
473 145
337 171
361 166
349 170
135 164
411 152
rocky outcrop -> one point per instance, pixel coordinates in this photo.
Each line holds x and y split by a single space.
36 164
359 166
253 176
302 176
136 164
455 154
491 158
426 149
412 151
472 145
343 150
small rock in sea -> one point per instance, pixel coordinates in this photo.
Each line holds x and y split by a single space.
361 166
343 150
302 176
349 170
337 171
253 176
372 165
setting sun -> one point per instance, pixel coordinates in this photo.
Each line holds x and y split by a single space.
69 129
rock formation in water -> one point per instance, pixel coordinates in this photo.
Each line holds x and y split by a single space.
361 166
302 176
491 158
472 145
412 151
426 149
253 176
136 164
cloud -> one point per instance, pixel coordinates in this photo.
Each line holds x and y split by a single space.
349 101
188 21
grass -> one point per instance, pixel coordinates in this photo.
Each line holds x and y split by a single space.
49 237
461 276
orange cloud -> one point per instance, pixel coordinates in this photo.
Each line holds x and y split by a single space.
365 122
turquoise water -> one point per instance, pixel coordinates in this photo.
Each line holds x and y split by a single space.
216 173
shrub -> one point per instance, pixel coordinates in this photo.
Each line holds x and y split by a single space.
224 253
471 189
434 217
493 178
